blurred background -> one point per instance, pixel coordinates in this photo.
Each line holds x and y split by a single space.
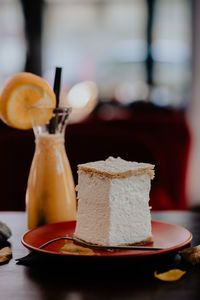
139 68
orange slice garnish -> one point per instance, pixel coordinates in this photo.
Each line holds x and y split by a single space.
26 100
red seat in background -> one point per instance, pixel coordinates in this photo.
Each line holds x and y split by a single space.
146 134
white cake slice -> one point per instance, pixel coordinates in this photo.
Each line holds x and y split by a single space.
113 202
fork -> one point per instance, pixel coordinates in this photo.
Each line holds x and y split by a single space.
100 247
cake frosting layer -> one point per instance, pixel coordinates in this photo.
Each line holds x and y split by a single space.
117 168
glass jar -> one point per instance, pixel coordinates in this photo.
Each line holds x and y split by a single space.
50 195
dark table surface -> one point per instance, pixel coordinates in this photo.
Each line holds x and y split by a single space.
48 277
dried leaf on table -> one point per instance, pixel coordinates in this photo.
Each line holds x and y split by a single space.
71 248
171 275
191 255
5 254
5 232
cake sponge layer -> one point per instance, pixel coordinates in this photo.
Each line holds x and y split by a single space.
114 210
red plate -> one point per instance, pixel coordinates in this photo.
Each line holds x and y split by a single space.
170 237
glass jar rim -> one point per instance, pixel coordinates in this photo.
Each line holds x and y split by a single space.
62 109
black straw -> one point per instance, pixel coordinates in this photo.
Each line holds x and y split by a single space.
56 88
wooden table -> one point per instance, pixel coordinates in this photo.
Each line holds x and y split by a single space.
50 278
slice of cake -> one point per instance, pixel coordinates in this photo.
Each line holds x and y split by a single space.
113 202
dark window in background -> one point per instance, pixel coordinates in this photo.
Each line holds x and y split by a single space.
133 49
12 41
172 52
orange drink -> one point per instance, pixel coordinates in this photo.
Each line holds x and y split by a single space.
50 193
27 101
